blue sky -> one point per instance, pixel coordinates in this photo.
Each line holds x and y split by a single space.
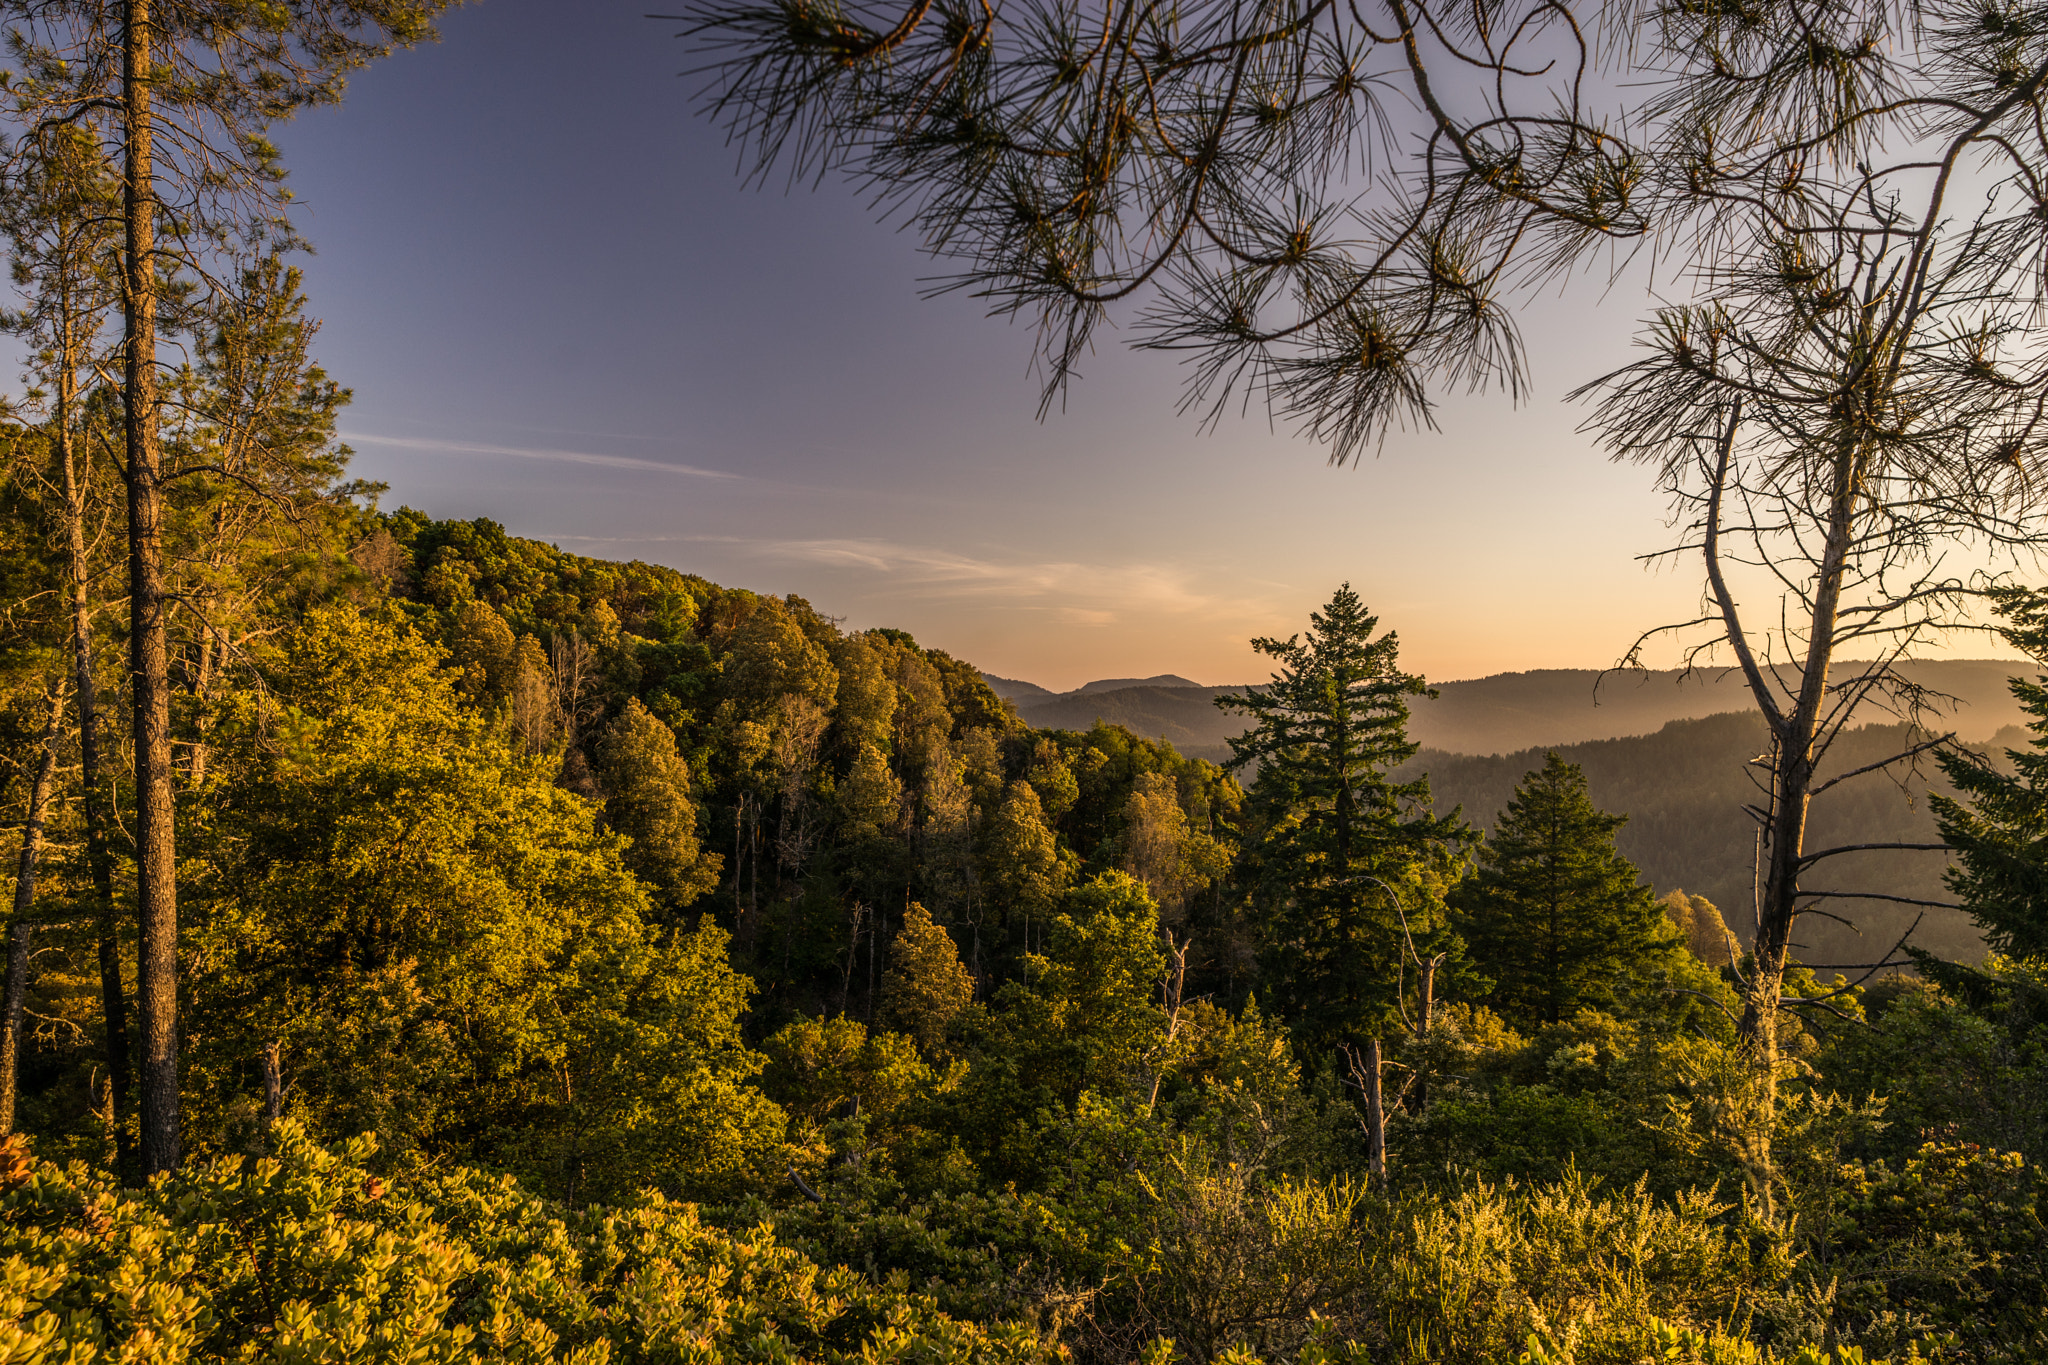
559 307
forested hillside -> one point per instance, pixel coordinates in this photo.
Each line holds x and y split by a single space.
834 778
1684 789
1511 712
428 946
611 879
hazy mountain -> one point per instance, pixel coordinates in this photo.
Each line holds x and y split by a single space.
1510 711
1123 684
1670 754
1185 716
1022 693
1505 712
1684 788
1030 693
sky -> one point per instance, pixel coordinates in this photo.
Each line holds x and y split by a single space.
560 308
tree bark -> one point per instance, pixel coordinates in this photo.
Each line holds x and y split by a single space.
273 1084
156 968
1425 1017
18 943
99 863
1795 733
1369 1068
20 930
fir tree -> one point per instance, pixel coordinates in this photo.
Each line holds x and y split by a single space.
1556 915
1999 831
1337 838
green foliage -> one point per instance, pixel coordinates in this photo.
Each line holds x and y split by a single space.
1950 1244
1965 1060
821 775
1999 826
1699 923
1684 788
1084 1016
442 943
1555 915
1230 1259
309 1256
1020 860
822 1070
1482 1270
926 987
647 799
508 855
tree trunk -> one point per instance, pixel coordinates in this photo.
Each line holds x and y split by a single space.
1426 1019
273 1085
156 967
99 864
19 941
1375 1114
1792 792
20 930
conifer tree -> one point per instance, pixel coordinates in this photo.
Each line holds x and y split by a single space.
1999 831
1556 915
1348 864
1336 829
60 232
187 92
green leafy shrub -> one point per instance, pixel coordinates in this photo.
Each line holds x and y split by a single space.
308 1256
1952 1243
1479 1271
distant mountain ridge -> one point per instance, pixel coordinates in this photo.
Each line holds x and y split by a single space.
1500 714
1017 693
1031 694
1166 680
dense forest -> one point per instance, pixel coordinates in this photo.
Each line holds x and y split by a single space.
1684 784
430 946
631 887
1507 713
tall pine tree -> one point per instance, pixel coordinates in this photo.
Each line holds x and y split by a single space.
1335 839
1556 915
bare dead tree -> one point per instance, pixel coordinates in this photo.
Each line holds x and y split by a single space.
1847 412
574 666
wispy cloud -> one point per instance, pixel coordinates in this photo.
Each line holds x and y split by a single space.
1080 593
581 457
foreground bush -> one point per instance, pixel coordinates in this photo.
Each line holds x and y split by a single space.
307 1256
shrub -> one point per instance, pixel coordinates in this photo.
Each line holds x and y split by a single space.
307 1256
1951 1243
